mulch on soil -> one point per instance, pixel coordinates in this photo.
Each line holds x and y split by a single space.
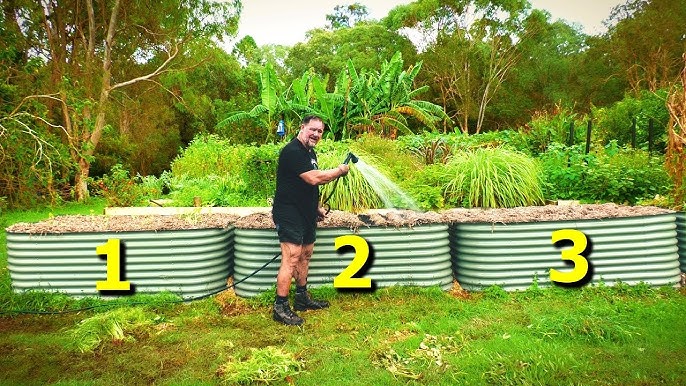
335 219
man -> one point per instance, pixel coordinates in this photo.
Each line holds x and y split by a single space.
296 212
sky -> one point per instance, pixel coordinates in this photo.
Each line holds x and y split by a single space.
285 22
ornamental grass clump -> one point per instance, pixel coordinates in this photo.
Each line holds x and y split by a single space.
352 193
492 178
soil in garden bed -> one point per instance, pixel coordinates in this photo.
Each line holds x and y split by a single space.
335 219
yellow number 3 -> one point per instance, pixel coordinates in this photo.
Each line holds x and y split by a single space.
345 279
579 243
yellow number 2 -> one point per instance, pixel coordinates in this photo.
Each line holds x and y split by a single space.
345 279
113 283
579 243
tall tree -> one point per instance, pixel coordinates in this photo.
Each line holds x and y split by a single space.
647 38
93 49
547 74
346 16
367 44
480 38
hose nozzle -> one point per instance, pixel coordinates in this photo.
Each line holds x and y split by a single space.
351 157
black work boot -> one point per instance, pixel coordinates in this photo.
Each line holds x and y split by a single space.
282 313
304 302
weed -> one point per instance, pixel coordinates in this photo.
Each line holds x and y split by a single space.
263 365
495 292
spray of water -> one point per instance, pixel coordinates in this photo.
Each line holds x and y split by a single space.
390 193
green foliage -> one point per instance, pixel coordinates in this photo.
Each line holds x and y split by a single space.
546 128
34 166
119 189
611 174
616 122
427 187
263 365
492 178
436 147
222 174
399 164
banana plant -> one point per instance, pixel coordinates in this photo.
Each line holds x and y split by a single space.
273 104
382 102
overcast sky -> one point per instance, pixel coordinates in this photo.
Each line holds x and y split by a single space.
285 22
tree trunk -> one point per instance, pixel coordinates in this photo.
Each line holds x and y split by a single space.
80 182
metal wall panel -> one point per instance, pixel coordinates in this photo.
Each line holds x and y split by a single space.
190 263
681 238
633 250
401 256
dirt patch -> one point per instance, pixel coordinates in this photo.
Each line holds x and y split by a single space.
335 219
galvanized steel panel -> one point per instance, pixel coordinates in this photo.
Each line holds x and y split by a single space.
633 250
191 263
401 256
681 238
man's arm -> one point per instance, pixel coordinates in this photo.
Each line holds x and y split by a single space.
320 177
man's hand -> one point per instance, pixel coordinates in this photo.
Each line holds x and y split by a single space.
321 213
344 169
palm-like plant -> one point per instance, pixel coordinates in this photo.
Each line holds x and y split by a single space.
361 102
273 104
382 102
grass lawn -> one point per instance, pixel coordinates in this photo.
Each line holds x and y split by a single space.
600 335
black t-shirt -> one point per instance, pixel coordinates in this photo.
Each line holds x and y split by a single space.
293 195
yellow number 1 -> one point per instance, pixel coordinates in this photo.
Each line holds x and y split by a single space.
579 243
113 283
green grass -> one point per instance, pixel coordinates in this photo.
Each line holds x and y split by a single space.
599 335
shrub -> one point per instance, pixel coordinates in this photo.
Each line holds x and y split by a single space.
493 178
222 174
427 187
119 189
610 174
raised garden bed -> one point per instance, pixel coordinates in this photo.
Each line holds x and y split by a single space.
193 254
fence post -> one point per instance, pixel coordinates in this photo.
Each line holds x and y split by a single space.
650 135
588 136
570 141
633 133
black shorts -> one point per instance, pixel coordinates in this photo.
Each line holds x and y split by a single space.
295 229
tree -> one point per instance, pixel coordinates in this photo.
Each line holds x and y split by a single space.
380 102
273 104
646 39
480 39
547 74
367 44
676 146
346 16
96 49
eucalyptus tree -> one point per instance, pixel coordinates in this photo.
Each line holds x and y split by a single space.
345 16
548 74
470 47
92 50
366 44
647 38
